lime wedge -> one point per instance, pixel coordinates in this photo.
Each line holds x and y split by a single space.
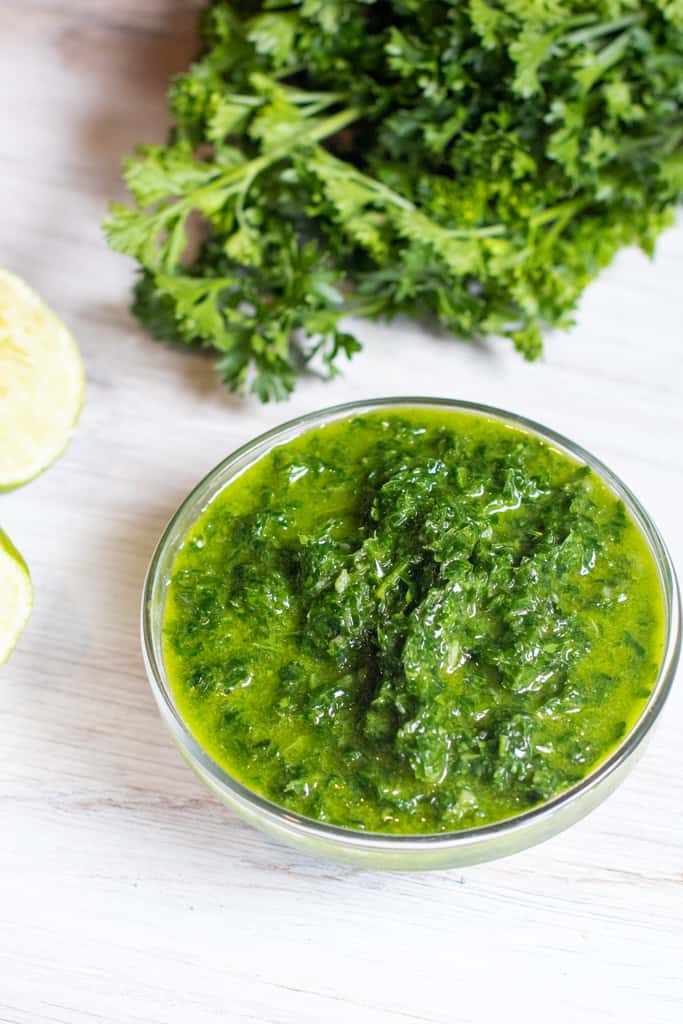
41 383
16 596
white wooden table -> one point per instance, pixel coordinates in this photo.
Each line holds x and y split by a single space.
127 892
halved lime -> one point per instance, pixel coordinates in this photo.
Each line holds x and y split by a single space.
41 383
16 596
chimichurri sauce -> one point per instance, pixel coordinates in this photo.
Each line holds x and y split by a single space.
413 621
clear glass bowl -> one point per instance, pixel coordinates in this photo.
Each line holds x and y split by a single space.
374 850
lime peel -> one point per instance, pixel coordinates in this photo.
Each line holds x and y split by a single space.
16 596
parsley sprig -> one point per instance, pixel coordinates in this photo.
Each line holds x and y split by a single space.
477 163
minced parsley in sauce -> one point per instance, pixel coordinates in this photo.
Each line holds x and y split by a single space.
413 621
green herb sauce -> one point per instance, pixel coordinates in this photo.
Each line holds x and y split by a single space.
413 621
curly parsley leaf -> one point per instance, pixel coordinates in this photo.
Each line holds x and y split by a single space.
477 163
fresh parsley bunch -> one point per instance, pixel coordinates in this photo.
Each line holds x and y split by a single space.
473 161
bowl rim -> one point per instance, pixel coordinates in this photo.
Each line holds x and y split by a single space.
274 814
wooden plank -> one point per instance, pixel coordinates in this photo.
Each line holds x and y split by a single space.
127 893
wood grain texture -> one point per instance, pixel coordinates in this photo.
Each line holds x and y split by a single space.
127 892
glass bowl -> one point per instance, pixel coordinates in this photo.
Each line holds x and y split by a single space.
375 850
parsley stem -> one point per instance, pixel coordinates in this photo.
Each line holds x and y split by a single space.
239 179
560 210
604 28
319 130
298 97
344 172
